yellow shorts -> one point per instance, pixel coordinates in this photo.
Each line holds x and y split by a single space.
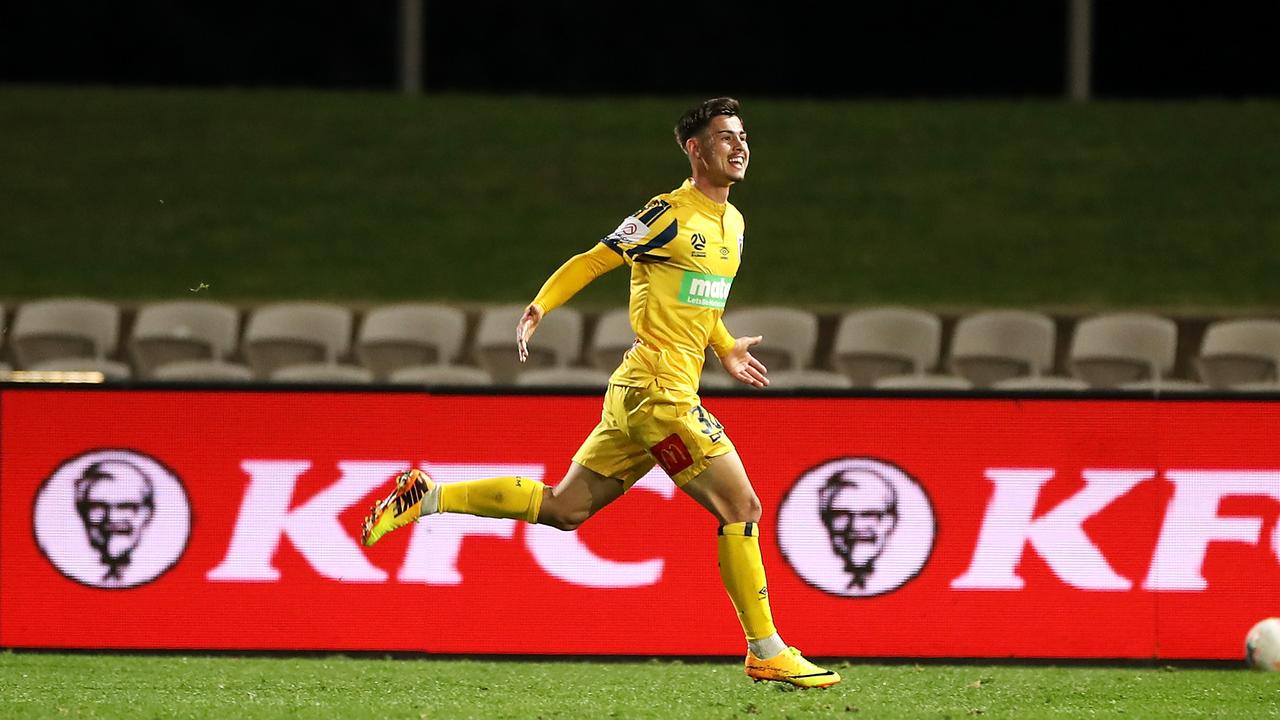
641 427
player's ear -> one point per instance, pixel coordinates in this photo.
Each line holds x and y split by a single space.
693 148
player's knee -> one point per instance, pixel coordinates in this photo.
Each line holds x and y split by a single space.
745 509
564 518
570 521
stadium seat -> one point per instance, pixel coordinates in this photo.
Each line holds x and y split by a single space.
64 328
564 377
1236 352
396 336
296 334
171 332
1268 386
717 379
612 338
556 343
441 376
880 342
110 369
323 373
1041 382
203 371
922 382
991 346
807 380
1110 350
790 335
1164 384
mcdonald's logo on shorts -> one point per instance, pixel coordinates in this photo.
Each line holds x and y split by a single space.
671 454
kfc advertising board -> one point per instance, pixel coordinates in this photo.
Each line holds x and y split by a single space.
934 527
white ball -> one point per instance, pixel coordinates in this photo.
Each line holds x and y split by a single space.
1262 645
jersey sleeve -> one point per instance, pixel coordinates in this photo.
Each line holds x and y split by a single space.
576 273
722 341
643 237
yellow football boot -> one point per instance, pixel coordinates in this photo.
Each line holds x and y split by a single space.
401 507
789 666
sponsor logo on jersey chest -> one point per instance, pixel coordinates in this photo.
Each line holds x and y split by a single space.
705 290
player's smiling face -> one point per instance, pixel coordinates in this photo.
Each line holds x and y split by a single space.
724 150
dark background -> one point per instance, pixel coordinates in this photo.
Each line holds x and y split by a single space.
891 48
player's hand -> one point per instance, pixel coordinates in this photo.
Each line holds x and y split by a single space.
742 366
524 330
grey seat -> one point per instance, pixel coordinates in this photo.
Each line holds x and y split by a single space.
717 379
611 339
323 373
396 336
807 380
1041 382
998 344
110 369
441 376
923 381
1110 350
296 334
880 342
171 332
1269 386
1237 352
1165 384
64 328
556 343
790 335
203 371
564 377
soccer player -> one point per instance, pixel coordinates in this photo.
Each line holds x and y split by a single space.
683 248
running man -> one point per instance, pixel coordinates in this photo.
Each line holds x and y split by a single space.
683 248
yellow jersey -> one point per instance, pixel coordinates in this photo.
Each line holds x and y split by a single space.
684 250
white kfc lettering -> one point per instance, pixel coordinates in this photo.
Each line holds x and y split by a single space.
1057 536
563 555
312 528
1192 521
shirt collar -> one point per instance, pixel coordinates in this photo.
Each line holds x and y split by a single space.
703 201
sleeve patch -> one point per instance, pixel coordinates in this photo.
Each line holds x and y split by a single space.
631 230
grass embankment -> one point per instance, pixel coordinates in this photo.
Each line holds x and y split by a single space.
145 194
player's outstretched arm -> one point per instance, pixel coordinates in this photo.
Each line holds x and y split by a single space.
576 273
742 365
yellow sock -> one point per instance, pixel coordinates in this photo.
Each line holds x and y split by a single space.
500 497
742 572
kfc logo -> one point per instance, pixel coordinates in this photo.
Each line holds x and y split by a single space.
856 527
112 519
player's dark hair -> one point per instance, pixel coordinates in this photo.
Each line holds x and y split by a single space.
696 119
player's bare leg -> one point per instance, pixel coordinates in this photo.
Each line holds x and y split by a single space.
565 506
725 491
579 495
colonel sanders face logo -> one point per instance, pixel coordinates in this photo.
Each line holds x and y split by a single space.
116 502
856 527
112 519
859 509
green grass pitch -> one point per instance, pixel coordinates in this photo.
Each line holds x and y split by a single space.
37 685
